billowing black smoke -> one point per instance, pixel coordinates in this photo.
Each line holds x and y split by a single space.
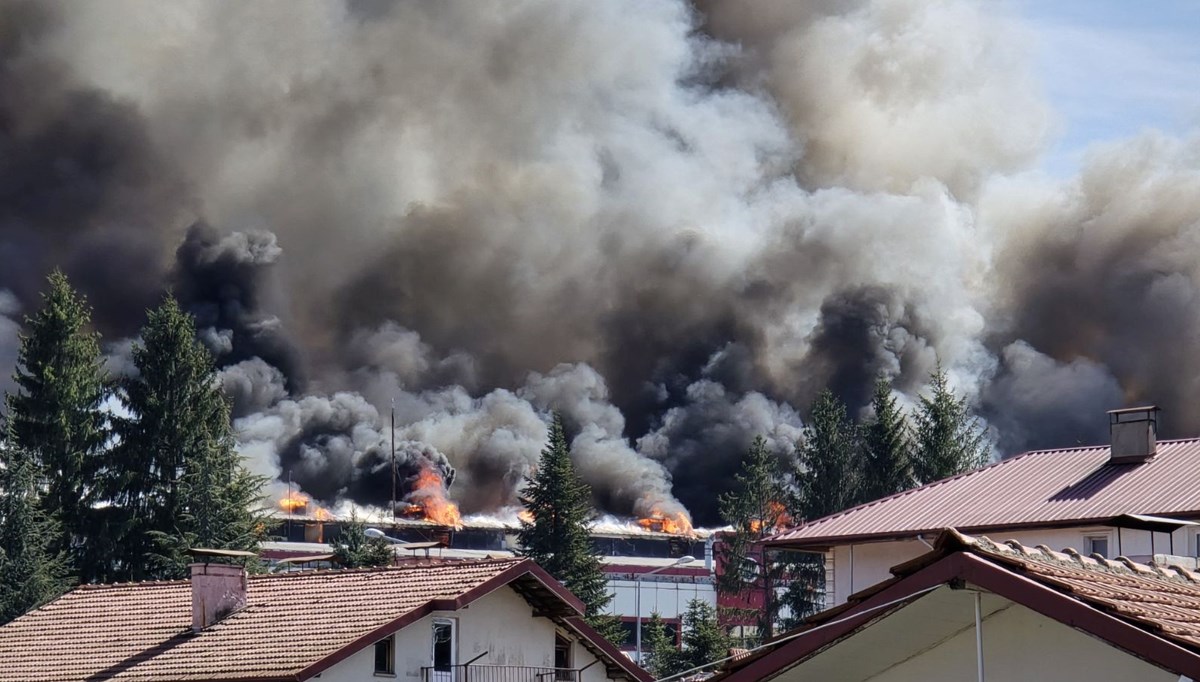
673 223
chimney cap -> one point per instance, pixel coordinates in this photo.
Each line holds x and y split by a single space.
202 552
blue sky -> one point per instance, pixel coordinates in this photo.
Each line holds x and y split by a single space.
1112 69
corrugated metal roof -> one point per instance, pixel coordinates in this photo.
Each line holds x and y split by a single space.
1041 488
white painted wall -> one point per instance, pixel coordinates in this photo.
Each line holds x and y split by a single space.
668 599
857 567
1021 645
501 623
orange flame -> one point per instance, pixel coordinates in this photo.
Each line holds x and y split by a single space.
777 515
676 523
298 503
429 495
525 515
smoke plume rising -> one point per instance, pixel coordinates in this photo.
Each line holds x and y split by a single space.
673 223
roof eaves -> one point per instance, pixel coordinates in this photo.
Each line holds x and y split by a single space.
601 647
1138 638
959 556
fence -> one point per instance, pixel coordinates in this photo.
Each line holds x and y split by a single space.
499 673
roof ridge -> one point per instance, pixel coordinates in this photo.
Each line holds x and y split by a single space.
1069 557
390 569
131 583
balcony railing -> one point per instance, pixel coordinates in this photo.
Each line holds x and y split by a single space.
472 672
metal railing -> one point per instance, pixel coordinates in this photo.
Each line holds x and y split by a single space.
473 672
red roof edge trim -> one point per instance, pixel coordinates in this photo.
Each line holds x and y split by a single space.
587 631
1042 599
795 651
364 641
501 579
1133 639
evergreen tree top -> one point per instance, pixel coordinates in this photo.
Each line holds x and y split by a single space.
557 535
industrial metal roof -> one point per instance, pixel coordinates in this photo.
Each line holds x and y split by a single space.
1046 488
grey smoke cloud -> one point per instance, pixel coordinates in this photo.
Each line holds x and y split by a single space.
673 222
10 341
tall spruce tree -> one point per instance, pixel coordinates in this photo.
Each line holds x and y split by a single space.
947 439
558 537
54 415
703 639
755 509
30 572
660 656
887 447
829 472
177 479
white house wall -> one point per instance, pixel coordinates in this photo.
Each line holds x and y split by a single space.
857 567
1021 645
501 623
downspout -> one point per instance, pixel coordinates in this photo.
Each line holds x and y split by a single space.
979 634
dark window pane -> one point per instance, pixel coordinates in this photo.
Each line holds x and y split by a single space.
383 656
443 646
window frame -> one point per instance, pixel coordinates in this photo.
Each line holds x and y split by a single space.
562 672
453 624
388 646
1090 538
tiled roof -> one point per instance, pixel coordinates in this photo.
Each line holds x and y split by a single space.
291 622
1165 600
1152 611
1046 487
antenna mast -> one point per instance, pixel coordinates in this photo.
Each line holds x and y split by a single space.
393 461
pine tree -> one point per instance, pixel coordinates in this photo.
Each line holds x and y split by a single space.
887 447
558 537
947 439
804 594
30 573
354 549
830 460
177 480
703 639
755 509
55 416
659 653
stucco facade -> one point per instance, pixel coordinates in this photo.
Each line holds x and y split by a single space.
1018 645
501 624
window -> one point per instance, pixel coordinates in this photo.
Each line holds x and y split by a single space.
1095 544
562 658
385 656
443 645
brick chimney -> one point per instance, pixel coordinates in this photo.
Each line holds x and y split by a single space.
1134 434
217 591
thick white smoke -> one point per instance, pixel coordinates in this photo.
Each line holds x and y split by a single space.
673 223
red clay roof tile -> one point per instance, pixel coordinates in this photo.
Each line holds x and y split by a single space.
142 631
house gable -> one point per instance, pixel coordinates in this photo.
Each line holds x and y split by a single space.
933 637
1144 612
